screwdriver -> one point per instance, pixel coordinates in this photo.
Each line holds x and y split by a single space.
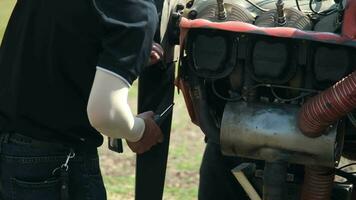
116 144
159 118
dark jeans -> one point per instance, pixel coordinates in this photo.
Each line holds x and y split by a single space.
26 172
216 180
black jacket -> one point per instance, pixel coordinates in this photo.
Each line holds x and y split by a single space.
49 56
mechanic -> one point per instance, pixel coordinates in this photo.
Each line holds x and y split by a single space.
66 67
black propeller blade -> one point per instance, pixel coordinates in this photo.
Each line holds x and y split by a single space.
156 92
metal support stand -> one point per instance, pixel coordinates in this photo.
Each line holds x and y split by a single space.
274 181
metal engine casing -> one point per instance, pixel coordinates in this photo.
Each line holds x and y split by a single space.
206 5
269 132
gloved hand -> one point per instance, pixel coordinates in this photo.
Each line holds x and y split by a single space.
156 54
151 136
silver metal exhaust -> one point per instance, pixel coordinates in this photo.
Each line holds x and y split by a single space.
269 132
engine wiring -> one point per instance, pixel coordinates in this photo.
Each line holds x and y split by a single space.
237 98
322 13
311 7
290 99
346 166
313 11
349 176
256 6
306 93
285 87
298 6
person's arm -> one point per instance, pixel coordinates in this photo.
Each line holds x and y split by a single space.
129 27
126 46
108 110
109 113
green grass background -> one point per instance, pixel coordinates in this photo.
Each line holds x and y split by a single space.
186 150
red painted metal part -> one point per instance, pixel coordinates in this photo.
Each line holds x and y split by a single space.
349 23
347 39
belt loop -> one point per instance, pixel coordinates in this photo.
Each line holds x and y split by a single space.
4 138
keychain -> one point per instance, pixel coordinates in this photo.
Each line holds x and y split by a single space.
62 171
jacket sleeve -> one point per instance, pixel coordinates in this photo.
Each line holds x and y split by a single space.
129 30
108 110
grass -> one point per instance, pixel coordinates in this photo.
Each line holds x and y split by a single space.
5 11
118 171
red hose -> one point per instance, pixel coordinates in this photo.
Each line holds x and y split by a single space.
349 22
323 110
318 183
329 106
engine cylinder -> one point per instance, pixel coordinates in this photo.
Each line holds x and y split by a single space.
293 18
233 13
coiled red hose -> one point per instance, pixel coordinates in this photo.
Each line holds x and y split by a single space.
318 183
315 116
323 110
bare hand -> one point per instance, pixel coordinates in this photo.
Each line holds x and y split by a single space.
156 54
151 136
